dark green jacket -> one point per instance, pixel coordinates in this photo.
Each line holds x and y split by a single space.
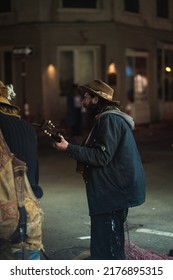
113 172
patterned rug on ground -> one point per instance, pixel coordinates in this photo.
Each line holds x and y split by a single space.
134 252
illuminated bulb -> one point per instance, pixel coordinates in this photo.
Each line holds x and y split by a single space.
112 68
168 69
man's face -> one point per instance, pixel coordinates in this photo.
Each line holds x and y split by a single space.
89 101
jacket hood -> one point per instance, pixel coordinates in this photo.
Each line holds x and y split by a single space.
125 116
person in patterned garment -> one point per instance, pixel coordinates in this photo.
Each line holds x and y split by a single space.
21 139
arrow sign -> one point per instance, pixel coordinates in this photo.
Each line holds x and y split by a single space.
23 51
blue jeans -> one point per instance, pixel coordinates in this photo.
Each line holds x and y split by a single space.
31 254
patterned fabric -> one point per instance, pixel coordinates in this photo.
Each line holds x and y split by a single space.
134 252
26 198
16 196
9 110
8 207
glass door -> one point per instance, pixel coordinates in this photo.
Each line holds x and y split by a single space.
137 85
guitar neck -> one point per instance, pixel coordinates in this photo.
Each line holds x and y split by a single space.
50 129
56 137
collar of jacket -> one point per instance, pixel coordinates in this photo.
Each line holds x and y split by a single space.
106 110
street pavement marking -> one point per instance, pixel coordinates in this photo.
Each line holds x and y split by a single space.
156 232
83 237
144 230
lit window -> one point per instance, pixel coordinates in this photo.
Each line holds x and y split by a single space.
136 77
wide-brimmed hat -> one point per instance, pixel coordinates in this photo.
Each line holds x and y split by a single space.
101 89
4 94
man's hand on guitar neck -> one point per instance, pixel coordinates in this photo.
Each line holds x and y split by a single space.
61 146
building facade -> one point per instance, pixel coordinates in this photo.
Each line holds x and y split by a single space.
46 46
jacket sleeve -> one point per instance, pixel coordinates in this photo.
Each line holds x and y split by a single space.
102 144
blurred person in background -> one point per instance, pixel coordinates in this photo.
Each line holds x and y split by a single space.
74 111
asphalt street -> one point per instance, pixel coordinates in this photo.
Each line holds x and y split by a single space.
66 228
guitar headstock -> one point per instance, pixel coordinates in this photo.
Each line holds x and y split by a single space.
50 129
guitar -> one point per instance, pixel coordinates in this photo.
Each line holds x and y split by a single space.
50 129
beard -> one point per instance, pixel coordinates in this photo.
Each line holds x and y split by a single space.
91 112
94 109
